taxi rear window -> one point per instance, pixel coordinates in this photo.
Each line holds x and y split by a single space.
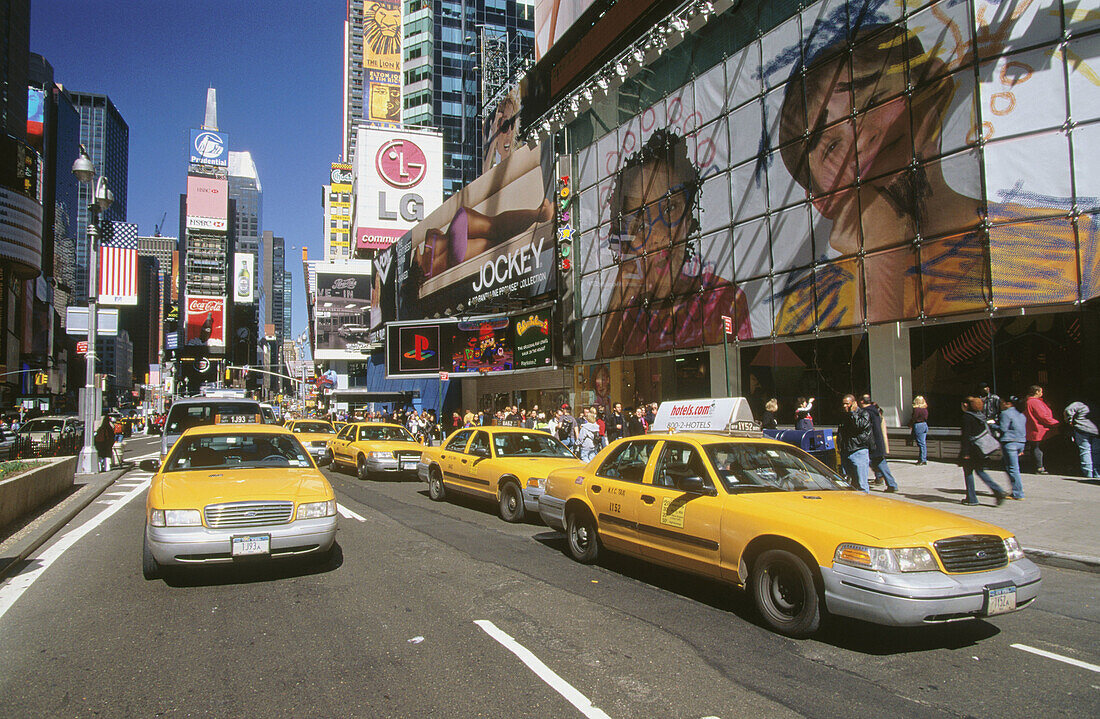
182 417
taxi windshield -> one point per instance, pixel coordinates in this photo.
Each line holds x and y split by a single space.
237 451
529 444
373 434
770 467
312 428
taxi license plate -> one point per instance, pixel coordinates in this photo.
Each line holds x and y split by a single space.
251 544
409 463
1000 598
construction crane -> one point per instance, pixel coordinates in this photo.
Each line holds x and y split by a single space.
156 227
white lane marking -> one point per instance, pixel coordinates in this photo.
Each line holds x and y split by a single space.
348 514
1057 657
20 583
545 673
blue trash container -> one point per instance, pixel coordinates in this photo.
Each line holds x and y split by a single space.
818 443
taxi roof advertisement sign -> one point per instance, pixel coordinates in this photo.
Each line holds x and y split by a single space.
704 415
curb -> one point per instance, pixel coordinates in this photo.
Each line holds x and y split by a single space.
57 517
1064 560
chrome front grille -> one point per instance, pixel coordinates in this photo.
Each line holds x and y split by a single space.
972 553
406 455
247 514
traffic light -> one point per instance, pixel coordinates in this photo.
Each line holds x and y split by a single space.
228 377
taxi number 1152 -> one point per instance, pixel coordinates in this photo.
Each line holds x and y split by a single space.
614 507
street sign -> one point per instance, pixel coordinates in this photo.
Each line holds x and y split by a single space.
727 324
76 321
82 347
444 376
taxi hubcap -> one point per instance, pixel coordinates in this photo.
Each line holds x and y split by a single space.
786 590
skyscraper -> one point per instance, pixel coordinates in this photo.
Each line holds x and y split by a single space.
245 188
455 54
106 136
278 282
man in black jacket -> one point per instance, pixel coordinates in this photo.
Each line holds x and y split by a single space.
856 440
616 425
878 445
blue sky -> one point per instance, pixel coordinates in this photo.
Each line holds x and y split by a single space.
277 67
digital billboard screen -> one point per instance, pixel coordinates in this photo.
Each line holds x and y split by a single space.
343 309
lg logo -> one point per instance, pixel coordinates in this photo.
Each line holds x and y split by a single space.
401 164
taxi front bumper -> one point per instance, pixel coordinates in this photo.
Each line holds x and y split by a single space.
918 598
390 464
202 545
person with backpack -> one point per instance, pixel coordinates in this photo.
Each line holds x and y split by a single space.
977 443
567 428
104 440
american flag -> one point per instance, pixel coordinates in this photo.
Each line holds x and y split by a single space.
118 253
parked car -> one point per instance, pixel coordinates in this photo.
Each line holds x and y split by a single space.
42 432
506 465
230 492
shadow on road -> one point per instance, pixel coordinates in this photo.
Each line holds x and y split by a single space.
252 571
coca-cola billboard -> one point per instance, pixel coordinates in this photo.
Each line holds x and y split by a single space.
205 321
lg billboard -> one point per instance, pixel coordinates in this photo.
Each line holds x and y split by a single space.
399 180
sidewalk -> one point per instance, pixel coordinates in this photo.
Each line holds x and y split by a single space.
1058 519
16 548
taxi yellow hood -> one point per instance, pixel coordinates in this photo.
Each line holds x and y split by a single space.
878 517
196 489
304 437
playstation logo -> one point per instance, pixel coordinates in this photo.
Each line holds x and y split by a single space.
420 351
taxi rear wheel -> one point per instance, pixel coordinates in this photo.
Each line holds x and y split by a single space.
582 536
511 503
785 593
149 567
436 490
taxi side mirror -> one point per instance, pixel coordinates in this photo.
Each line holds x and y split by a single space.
149 465
693 484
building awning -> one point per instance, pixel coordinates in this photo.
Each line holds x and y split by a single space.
366 395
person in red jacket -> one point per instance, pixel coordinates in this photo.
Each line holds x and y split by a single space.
1040 421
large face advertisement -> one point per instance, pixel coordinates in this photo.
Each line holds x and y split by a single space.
205 321
856 164
400 178
382 32
491 240
552 19
500 130
343 310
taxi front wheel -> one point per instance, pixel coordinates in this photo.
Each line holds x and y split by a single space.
149 567
511 503
584 541
785 593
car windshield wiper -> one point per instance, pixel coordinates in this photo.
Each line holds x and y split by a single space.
760 487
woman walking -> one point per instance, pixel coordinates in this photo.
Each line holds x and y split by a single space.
973 448
919 423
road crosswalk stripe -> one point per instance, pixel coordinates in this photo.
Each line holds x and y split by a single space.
348 514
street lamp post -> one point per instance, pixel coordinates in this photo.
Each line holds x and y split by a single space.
102 198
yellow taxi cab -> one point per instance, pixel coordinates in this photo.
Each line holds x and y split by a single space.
765 516
232 491
314 434
376 448
507 465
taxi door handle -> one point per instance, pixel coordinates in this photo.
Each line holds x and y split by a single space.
648 499
596 489
442 456
464 461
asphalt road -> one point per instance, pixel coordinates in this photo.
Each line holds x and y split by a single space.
387 629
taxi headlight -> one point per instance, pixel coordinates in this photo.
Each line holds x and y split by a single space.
380 455
156 517
1012 547
315 510
890 561
182 518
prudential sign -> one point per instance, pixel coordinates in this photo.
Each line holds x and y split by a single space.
209 148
